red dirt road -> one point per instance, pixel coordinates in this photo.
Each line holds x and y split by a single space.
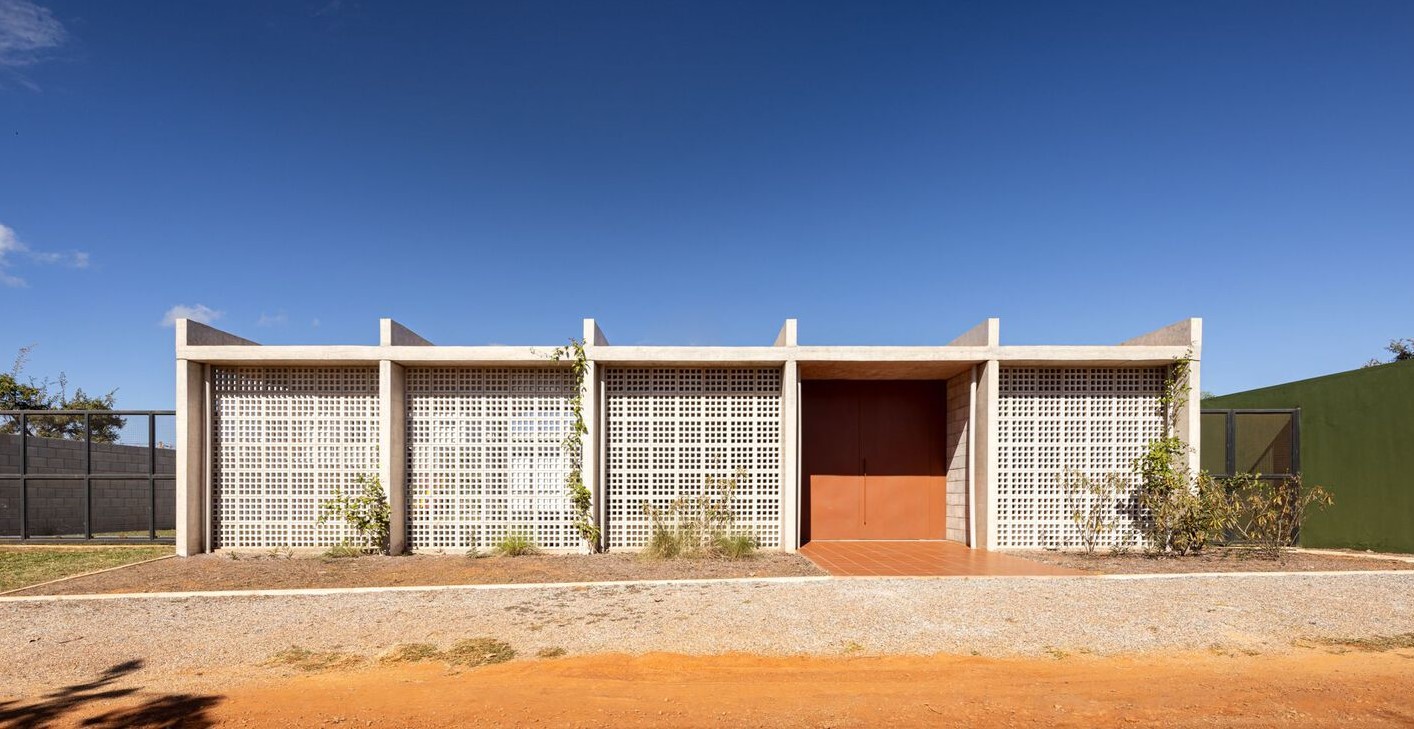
1310 687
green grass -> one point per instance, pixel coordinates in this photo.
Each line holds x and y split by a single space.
516 544
31 565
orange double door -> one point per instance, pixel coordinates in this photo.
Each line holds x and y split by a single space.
872 459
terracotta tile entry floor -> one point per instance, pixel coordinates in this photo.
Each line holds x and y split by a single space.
920 559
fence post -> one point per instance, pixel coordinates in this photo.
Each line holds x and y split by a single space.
87 476
24 476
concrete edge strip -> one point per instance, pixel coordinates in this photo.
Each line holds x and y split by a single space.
1388 556
85 574
325 591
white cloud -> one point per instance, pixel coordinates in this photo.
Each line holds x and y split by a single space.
12 249
195 312
26 32
272 320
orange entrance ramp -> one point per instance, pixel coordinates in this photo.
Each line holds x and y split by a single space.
921 559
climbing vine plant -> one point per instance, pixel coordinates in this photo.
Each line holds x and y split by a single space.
573 444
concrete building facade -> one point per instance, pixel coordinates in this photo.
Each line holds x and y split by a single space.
967 441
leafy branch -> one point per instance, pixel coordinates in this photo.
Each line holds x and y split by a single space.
573 444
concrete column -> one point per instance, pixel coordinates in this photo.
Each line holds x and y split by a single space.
790 457
1190 417
191 440
392 449
985 438
589 445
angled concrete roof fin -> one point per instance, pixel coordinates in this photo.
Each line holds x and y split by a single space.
787 336
193 333
393 334
1185 333
593 335
986 334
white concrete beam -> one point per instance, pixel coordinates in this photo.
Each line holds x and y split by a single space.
593 335
986 334
787 336
194 333
1186 333
393 334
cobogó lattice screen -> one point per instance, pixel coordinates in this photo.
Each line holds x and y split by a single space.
284 439
670 428
484 457
1051 421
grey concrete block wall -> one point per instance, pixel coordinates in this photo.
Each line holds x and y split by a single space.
959 405
56 506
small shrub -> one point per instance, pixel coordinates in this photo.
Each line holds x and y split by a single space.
474 652
555 652
366 512
698 526
1277 509
1091 505
516 544
664 543
1180 513
412 653
736 546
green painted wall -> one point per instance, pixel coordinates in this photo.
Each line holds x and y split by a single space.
1357 439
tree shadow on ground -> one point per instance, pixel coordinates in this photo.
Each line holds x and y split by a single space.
162 710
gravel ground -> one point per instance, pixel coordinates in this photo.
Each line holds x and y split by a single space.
198 641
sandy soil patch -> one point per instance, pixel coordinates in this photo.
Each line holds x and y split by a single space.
1312 687
1220 559
249 572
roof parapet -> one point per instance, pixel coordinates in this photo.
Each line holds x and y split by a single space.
787 336
593 335
393 334
192 333
988 333
1185 333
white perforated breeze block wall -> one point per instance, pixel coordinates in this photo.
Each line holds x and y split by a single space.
284 438
670 428
485 457
1051 420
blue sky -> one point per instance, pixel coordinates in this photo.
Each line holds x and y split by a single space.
696 172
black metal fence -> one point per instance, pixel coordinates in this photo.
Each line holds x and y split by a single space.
88 475
1264 441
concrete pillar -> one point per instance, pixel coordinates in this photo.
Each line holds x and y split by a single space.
1189 418
790 457
191 457
392 449
589 445
984 501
